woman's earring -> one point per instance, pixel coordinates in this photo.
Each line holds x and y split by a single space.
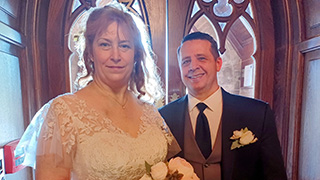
91 63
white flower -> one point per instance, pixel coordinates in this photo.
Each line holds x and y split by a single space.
145 177
242 138
177 168
195 177
236 134
183 167
159 171
247 138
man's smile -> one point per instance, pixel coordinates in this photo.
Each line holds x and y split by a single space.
195 76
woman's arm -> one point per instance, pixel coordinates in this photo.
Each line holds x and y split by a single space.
55 143
46 169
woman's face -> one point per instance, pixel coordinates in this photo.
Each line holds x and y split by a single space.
113 56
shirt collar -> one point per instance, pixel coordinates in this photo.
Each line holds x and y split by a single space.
212 101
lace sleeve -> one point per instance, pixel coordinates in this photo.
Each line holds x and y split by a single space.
29 140
58 134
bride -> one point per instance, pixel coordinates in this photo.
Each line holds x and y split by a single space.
106 130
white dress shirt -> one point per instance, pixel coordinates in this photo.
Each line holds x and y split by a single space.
213 112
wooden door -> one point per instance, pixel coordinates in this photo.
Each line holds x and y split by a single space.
303 156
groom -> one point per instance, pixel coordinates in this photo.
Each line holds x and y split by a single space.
204 120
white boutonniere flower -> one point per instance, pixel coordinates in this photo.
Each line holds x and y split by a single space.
242 138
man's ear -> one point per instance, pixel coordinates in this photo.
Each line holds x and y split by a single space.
218 63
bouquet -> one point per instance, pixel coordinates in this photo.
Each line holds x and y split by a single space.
177 169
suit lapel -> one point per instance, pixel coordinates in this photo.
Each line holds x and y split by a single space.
179 122
229 119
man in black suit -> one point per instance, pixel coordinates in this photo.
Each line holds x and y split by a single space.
223 136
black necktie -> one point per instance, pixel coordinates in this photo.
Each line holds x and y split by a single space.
203 136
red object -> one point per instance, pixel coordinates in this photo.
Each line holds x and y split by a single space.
13 163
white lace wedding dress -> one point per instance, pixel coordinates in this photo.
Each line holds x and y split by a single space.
87 142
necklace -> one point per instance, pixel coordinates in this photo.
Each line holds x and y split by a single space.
123 106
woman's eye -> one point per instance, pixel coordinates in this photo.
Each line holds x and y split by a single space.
124 46
105 45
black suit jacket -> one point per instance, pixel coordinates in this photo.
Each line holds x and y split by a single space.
257 161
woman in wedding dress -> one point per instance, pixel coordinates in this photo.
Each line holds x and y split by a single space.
106 130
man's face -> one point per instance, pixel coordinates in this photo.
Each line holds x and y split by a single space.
199 68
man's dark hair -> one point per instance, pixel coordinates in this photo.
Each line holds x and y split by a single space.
201 36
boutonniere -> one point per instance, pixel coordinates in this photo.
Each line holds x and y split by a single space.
242 138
